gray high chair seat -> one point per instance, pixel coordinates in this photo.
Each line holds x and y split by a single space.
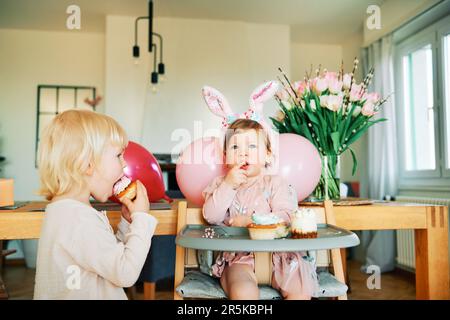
198 285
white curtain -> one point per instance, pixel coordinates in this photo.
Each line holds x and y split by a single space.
382 164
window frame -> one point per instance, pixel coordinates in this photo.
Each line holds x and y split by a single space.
408 46
443 30
438 179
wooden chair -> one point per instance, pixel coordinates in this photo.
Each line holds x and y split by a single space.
3 254
186 258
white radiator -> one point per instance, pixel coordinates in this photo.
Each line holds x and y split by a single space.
406 256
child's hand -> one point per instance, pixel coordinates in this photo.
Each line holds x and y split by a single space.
240 221
141 202
236 176
126 214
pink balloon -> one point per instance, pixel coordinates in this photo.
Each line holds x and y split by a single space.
299 163
198 165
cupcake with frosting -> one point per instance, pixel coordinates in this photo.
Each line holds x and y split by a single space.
263 226
303 223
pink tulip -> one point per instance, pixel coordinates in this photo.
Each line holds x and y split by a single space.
368 109
320 85
356 111
335 86
302 103
331 76
280 116
300 87
356 92
324 101
371 97
334 102
347 81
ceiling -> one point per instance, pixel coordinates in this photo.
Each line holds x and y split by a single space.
319 21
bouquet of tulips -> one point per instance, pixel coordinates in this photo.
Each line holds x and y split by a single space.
331 111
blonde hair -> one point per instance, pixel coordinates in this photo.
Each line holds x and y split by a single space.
73 140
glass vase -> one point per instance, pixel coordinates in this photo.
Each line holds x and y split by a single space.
329 184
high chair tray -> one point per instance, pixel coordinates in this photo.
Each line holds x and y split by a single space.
237 239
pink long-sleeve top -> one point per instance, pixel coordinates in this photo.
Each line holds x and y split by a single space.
262 194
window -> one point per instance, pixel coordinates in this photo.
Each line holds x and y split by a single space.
422 81
54 99
446 59
418 110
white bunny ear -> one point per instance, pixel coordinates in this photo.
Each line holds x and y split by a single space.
261 94
216 102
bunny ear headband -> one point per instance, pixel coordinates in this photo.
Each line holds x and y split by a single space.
220 106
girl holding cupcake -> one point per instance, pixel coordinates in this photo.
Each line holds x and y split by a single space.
246 189
79 256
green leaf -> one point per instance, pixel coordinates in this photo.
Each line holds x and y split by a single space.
292 120
300 116
336 142
378 120
357 135
278 125
355 162
323 131
356 124
339 119
347 122
342 120
311 114
287 121
319 113
307 134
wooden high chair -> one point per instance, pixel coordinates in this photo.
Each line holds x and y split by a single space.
187 258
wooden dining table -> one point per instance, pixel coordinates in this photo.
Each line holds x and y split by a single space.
429 222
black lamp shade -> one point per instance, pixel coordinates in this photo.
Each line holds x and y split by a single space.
154 77
161 68
136 51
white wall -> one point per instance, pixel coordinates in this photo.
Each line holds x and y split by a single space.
27 59
232 56
305 54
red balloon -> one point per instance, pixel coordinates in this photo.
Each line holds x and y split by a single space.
143 166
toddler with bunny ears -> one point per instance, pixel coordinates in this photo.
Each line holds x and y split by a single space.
248 188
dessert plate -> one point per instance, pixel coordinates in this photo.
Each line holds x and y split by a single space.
237 239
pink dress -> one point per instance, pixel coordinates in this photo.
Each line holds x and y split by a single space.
263 194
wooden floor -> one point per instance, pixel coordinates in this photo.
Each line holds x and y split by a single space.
396 285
